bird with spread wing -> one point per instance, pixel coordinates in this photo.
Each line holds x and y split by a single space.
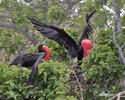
74 49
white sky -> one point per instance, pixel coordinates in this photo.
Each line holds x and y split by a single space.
106 7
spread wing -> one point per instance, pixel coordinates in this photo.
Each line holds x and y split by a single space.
88 29
58 35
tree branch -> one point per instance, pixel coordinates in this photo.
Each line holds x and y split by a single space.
104 13
117 16
5 15
116 43
119 29
118 95
123 45
7 25
79 85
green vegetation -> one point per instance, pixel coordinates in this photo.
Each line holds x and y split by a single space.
101 70
49 82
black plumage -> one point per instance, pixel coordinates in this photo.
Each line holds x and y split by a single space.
88 29
62 38
28 60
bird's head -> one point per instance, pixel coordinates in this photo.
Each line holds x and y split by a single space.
86 45
43 48
40 48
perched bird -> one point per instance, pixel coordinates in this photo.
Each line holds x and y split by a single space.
29 59
32 60
74 49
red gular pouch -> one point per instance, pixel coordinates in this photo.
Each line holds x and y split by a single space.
87 45
46 50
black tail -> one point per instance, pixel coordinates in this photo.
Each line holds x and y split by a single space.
88 29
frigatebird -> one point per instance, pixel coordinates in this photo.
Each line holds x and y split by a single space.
32 60
28 60
74 49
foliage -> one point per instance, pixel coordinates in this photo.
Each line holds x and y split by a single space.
103 66
48 83
56 13
10 43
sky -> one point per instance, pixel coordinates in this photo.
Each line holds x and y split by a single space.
82 1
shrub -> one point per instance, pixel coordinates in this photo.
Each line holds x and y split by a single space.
103 66
48 83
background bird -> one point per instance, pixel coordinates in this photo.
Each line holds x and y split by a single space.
32 59
74 49
28 60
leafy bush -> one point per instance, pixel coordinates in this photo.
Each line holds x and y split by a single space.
56 13
9 42
48 83
103 66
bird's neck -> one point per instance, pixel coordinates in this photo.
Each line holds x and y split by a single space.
86 45
47 52
85 38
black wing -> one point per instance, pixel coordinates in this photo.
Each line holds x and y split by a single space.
88 29
26 60
58 35
35 67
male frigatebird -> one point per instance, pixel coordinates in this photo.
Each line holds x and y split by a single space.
62 38
28 60
32 59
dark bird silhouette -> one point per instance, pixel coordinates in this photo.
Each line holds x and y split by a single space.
62 38
32 59
28 60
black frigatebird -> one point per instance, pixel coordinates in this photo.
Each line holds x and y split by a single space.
32 59
74 49
28 60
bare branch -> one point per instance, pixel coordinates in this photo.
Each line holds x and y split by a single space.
117 17
7 25
123 45
79 85
119 29
104 13
115 42
78 79
5 15
118 95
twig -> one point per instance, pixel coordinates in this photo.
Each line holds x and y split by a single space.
107 81
5 15
79 85
8 25
123 45
81 93
104 13
122 96
35 67
44 41
118 95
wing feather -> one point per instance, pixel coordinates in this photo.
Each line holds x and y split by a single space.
88 29
58 35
